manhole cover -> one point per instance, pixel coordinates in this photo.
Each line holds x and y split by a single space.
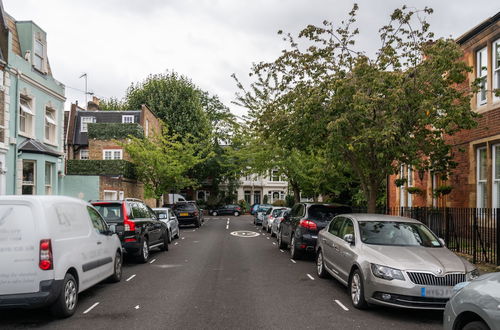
245 233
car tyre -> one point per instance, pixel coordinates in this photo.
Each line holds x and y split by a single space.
166 241
236 213
144 252
357 290
197 224
320 265
476 325
65 304
117 274
214 213
272 233
281 244
294 253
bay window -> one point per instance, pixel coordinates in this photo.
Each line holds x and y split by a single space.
29 177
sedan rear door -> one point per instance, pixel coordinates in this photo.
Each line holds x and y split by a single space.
329 242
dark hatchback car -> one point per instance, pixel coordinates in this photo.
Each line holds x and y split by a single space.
299 229
136 224
188 214
231 209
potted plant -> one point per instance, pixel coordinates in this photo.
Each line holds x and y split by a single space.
400 182
414 190
442 190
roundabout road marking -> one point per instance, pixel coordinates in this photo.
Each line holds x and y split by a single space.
244 233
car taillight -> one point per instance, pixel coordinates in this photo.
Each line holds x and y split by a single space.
308 224
129 225
46 261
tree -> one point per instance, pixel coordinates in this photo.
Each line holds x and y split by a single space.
162 163
372 113
113 103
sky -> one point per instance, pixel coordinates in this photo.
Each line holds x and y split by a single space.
117 42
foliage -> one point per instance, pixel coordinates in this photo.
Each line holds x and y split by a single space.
400 182
279 202
163 162
110 131
113 104
245 207
114 167
289 201
414 190
265 200
370 113
442 190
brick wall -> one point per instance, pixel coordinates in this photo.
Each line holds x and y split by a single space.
154 124
96 148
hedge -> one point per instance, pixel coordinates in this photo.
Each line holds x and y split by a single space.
110 131
112 167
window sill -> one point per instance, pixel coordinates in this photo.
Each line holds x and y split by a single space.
26 135
50 143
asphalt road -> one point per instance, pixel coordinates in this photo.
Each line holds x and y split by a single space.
210 279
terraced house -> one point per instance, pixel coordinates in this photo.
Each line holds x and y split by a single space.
31 112
98 167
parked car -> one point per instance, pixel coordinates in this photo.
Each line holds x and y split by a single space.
275 227
475 305
391 261
138 227
166 215
259 215
51 249
299 230
269 217
232 209
188 214
254 208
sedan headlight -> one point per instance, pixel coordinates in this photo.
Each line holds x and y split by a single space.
472 275
387 273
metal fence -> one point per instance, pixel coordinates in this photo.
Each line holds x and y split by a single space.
472 231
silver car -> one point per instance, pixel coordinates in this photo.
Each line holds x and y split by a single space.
476 305
390 261
275 227
269 217
166 215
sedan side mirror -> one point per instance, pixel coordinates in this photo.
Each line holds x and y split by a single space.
349 238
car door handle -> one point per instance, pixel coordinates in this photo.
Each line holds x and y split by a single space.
99 243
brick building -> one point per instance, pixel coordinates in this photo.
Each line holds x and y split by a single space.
98 167
475 181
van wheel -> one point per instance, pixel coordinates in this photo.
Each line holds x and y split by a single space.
65 305
117 275
144 252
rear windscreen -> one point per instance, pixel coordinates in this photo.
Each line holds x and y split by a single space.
325 212
111 212
184 207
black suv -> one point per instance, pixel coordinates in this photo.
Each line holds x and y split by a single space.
136 224
188 213
227 209
300 228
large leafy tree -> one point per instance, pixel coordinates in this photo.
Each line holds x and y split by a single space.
370 112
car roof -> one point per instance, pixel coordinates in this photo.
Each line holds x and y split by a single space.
380 217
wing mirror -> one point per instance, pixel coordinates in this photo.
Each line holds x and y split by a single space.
443 243
349 238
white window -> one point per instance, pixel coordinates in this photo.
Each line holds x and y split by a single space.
275 175
496 176
121 195
26 117
84 154
39 56
112 154
29 177
127 119
84 123
481 177
496 66
110 195
50 125
482 74
49 170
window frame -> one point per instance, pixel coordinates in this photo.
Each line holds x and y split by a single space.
49 186
495 195
50 126
125 117
33 183
112 151
114 192
482 56
84 123
87 152
41 56
27 112
495 60
481 195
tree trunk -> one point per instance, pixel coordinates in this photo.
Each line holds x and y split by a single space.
158 202
371 196
296 193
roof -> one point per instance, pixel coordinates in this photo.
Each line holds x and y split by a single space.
36 147
11 24
380 217
478 29
101 116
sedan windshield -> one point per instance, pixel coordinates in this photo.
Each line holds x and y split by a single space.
397 233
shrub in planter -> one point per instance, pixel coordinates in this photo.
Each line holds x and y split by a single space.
414 190
400 182
442 190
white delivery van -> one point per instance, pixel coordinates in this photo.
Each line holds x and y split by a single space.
51 249
175 198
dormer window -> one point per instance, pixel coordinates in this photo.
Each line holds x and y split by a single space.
84 123
127 119
39 55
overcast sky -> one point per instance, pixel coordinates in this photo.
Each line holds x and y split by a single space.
117 42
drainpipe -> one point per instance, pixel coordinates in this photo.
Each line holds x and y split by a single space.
18 95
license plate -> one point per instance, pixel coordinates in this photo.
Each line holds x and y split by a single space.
437 292
184 214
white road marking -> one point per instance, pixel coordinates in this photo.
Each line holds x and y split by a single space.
341 305
309 275
152 261
194 229
227 226
90 308
267 237
137 307
294 262
282 250
131 277
274 243
183 237
177 242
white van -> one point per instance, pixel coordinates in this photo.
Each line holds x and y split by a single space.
51 249
175 198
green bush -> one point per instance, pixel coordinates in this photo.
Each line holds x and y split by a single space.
290 201
110 131
113 167
265 199
245 207
279 202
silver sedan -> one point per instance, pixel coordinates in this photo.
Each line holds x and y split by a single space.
391 261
